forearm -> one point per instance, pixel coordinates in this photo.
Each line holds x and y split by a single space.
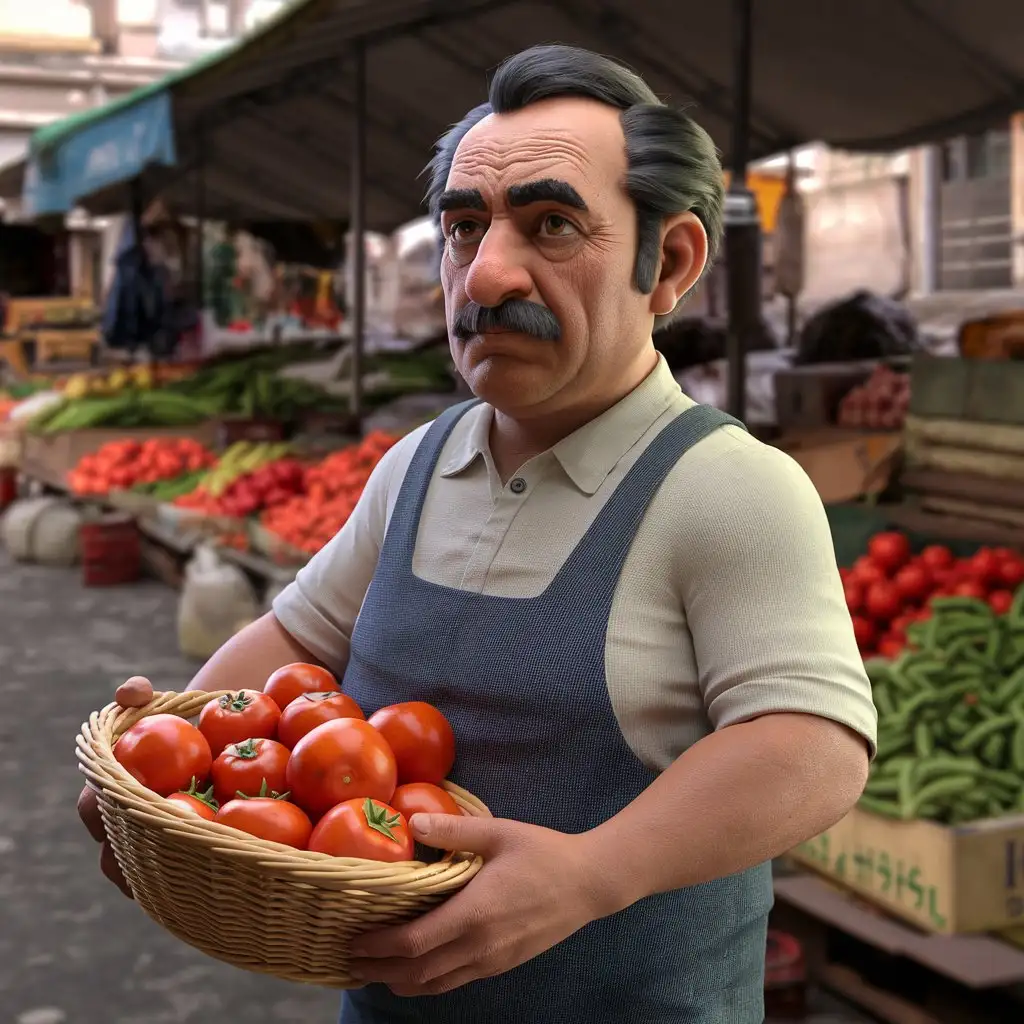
739 797
250 656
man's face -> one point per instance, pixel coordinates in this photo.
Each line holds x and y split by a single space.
535 212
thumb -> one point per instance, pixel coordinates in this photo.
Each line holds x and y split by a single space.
136 692
459 833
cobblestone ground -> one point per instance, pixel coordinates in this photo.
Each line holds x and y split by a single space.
72 949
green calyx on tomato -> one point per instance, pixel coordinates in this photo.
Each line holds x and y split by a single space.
205 796
246 750
265 793
235 701
380 820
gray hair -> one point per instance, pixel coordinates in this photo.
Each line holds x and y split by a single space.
673 165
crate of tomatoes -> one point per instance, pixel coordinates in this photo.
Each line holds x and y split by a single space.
892 585
269 828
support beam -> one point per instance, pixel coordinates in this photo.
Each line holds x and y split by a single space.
742 224
357 229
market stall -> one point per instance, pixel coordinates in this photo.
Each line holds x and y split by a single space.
280 128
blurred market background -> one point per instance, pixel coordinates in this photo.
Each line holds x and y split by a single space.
219 305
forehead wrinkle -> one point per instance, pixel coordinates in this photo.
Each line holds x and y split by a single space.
488 153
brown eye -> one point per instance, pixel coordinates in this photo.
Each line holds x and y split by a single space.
464 231
555 225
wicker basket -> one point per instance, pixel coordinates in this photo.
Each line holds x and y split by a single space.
261 906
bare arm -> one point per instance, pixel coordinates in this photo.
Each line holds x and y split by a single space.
247 660
739 797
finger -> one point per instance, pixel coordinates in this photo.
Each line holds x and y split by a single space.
460 832
136 692
110 868
446 923
89 812
414 973
446 983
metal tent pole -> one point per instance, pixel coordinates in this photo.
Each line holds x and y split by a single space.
357 229
742 225
200 224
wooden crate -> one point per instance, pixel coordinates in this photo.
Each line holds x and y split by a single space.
946 880
979 391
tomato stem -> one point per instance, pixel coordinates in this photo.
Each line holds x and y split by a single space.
205 797
378 818
247 750
235 701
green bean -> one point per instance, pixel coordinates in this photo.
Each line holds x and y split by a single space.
980 733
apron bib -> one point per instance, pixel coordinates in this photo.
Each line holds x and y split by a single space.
522 681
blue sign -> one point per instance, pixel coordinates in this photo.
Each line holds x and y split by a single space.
101 153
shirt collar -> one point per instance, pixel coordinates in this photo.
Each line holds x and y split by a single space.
589 454
472 443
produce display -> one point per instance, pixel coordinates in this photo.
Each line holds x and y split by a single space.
880 403
248 478
951 716
167 462
333 486
890 587
336 784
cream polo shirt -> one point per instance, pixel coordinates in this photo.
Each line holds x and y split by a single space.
729 604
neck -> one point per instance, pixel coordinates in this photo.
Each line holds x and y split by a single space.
516 441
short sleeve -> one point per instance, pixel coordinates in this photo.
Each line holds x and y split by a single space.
319 609
763 598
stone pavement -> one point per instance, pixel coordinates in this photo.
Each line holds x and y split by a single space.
72 949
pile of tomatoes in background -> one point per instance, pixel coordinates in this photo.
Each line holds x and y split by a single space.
890 587
300 764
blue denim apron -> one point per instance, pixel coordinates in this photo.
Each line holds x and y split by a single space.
522 681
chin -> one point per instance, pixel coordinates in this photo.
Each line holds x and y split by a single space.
509 384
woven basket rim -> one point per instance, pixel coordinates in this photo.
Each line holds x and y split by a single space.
94 749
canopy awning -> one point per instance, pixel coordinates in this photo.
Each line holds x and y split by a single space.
270 119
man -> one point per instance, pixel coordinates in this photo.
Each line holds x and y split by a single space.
627 607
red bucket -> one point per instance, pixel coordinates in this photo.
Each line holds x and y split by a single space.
785 977
111 551
8 486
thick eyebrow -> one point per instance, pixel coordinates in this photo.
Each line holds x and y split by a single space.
461 199
547 190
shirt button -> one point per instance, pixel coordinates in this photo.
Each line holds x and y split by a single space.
518 485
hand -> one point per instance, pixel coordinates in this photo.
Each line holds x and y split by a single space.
536 888
136 692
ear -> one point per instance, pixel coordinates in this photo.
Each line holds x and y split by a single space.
684 252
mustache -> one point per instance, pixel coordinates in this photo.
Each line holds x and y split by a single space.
512 315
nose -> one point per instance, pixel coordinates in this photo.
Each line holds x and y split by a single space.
498 271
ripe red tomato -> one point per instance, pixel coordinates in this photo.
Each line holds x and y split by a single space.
421 738
937 556
194 804
866 571
882 602
912 583
970 588
853 591
984 566
889 550
165 753
251 768
341 760
1011 572
309 710
1000 601
364 829
292 681
423 798
891 647
234 717
865 632
276 821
